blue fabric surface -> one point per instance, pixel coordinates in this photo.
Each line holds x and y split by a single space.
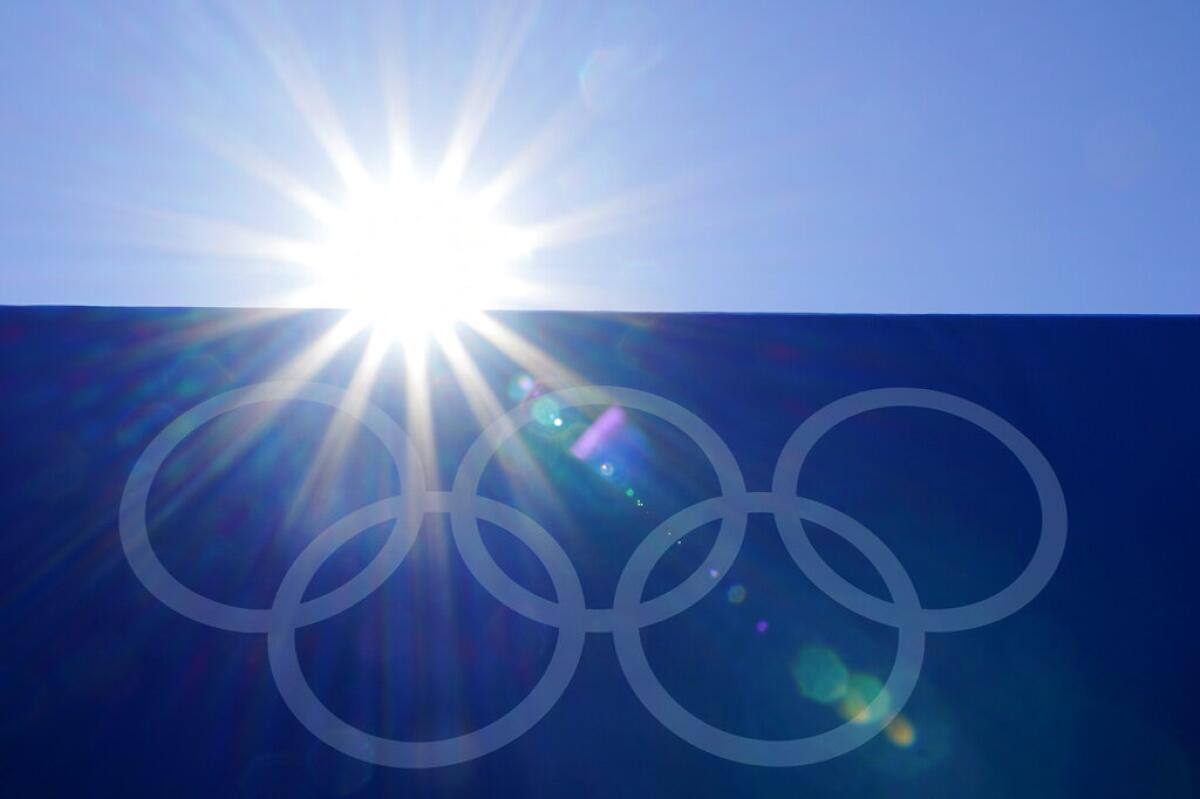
1086 691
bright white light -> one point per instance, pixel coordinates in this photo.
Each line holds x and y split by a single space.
412 258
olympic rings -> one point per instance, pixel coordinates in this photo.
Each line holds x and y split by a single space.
299 696
466 528
149 569
756 751
1031 581
568 612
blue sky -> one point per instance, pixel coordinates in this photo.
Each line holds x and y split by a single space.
846 157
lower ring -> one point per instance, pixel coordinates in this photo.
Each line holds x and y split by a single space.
357 743
797 751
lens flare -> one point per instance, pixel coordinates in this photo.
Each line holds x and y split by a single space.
545 412
520 387
866 700
820 674
901 732
598 432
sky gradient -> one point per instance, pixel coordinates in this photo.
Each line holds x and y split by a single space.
820 157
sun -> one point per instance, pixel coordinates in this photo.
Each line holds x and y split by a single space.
409 258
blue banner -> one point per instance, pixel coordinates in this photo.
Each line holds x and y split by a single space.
253 553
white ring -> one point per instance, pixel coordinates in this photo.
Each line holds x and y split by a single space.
823 746
465 525
350 740
1004 603
135 538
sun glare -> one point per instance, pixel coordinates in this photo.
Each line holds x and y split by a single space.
409 258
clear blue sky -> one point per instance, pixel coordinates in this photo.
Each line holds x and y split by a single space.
946 157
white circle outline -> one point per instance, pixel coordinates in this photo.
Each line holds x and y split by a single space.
355 742
465 526
135 538
1037 573
847 736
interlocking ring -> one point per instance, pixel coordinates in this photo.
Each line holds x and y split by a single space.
568 612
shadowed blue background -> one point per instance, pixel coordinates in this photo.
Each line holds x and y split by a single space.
1087 691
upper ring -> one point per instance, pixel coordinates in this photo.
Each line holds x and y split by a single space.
1007 601
465 525
150 570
